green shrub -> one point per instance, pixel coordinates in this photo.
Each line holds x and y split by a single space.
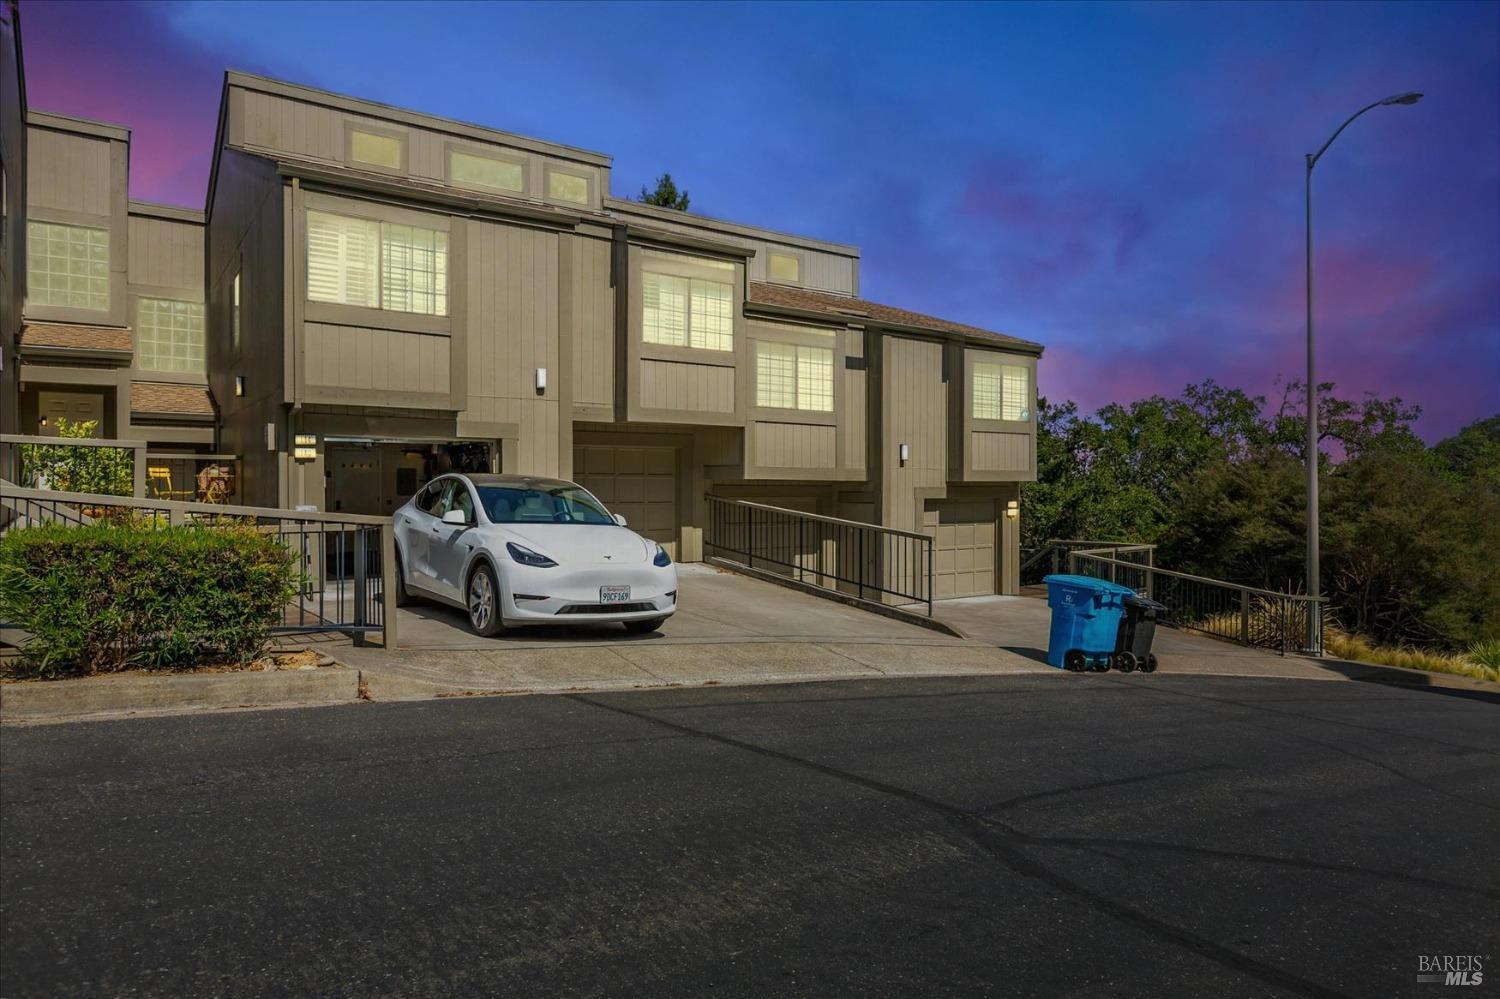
115 596
78 468
1486 654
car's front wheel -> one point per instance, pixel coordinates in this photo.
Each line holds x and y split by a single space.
644 627
484 602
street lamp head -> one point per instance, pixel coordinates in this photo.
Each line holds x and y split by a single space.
1407 98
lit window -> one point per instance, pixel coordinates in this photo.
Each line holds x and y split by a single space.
168 335
664 309
793 377
414 270
775 375
567 187
342 259
786 267
374 149
234 315
1001 392
67 265
352 261
482 171
1015 393
687 312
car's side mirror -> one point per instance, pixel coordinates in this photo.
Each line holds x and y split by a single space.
455 517
620 519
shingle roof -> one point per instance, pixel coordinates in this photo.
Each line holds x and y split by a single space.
177 400
77 337
845 309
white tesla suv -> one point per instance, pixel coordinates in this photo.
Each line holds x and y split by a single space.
516 550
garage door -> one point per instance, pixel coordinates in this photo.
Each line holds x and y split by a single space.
963 543
639 482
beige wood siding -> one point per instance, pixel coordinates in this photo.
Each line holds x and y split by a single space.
853 412
510 294
794 445
592 300
703 388
68 173
166 254
1001 452
379 363
317 127
820 271
914 406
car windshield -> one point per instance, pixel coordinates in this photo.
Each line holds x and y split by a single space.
557 505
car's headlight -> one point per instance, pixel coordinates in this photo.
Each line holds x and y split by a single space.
661 558
526 556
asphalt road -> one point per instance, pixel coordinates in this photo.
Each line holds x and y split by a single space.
1040 835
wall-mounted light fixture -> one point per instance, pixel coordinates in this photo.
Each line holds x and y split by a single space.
541 380
1012 510
905 453
239 385
270 436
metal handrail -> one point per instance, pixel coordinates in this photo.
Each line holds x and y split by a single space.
883 561
1158 571
825 519
9 490
348 561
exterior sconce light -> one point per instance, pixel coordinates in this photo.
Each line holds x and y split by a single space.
541 380
305 447
270 437
239 385
1012 510
905 453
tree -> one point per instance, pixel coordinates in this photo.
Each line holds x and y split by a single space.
666 194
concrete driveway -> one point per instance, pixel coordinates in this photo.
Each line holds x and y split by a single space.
731 629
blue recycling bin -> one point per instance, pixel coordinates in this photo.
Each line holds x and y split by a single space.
1085 621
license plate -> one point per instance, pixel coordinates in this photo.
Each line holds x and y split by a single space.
614 594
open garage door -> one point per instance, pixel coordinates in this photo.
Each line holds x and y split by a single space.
963 542
639 482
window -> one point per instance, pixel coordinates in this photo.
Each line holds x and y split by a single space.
554 505
413 270
785 267
482 171
375 149
567 187
687 312
371 264
67 265
788 376
1001 392
168 335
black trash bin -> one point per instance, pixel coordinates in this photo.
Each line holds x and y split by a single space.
1137 630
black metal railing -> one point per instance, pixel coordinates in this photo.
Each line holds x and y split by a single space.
1052 557
861 560
1265 619
346 562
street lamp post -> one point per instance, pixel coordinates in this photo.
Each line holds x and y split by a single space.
1314 575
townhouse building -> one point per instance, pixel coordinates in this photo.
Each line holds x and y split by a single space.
373 296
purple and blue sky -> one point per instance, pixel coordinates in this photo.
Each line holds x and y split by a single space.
1122 183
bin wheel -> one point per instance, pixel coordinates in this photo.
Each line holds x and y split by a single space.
1149 666
1074 661
1125 662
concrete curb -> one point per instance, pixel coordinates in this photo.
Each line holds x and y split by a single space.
78 699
